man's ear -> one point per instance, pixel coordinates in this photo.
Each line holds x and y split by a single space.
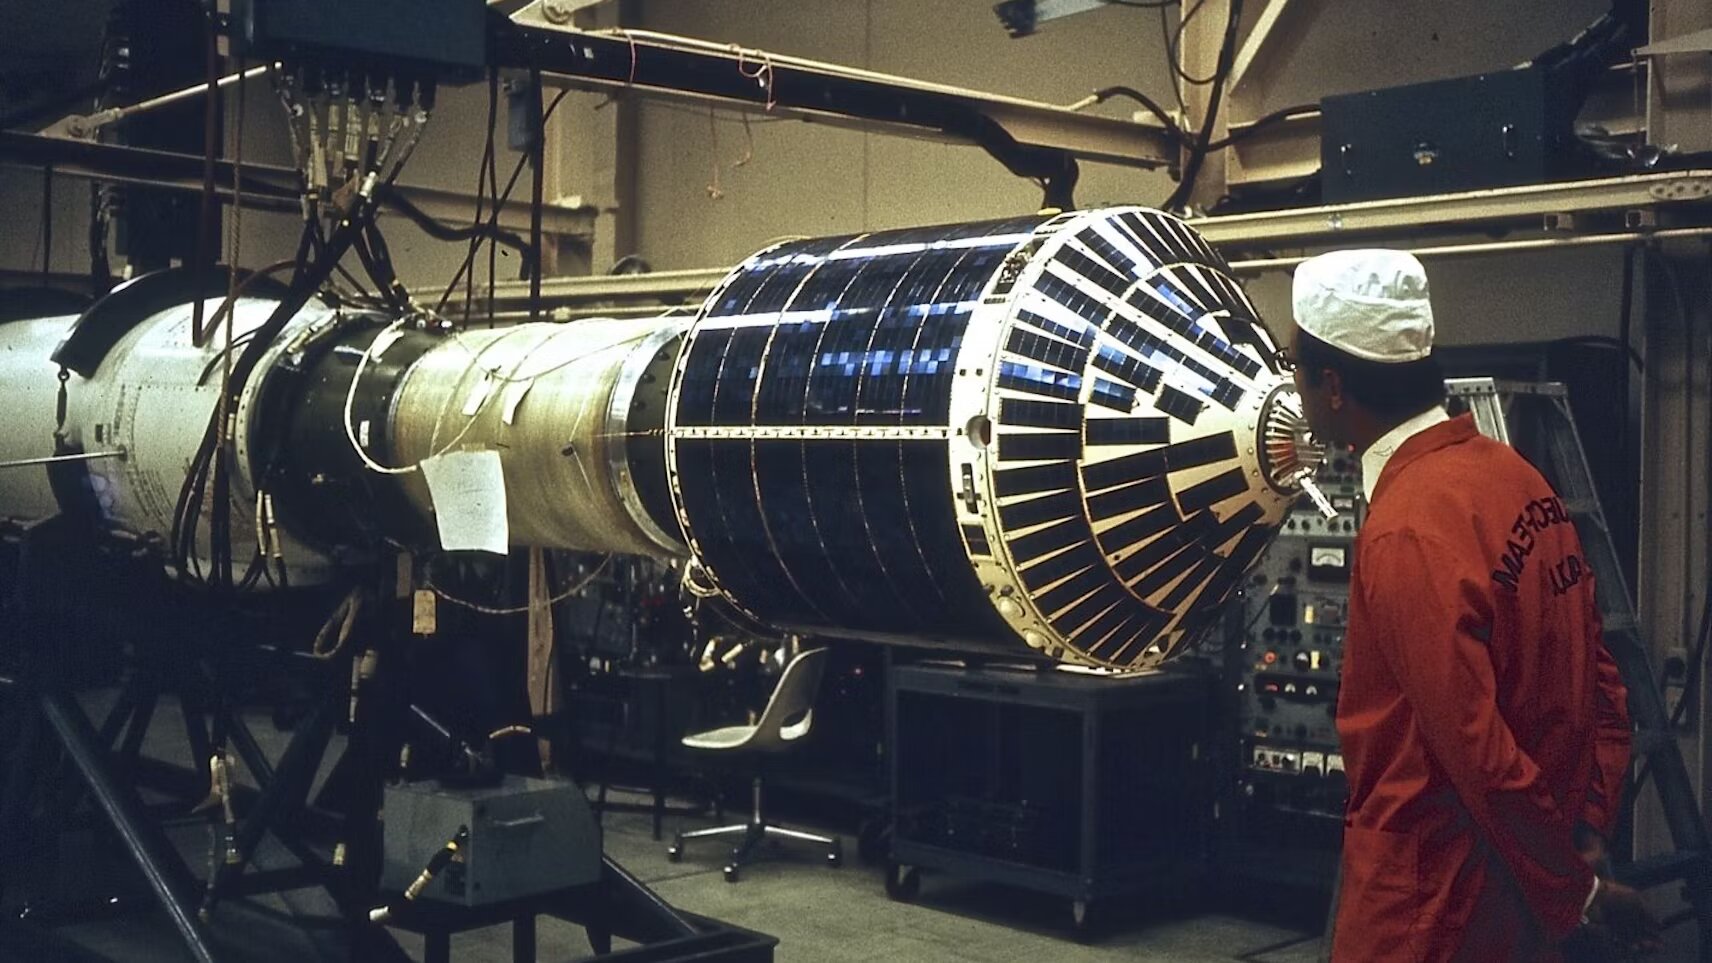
1334 388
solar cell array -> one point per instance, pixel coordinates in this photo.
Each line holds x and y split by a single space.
1043 427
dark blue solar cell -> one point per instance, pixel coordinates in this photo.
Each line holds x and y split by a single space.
1083 334
1121 261
836 367
1176 298
1191 281
797 341
1110 394
1074 298
859 533
783 282
1014 225
886 509
794 535
1039 380
734 396
880 390
1098 272
737 294
839 506
701 377
714 475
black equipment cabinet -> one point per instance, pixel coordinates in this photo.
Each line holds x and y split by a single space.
1465 133
1076 785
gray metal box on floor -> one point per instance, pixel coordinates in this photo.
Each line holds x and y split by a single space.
526 837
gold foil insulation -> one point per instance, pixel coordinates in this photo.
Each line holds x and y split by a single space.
554 401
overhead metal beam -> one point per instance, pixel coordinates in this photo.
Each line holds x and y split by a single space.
263 185
699 71
1518 210
1259 38
1472 210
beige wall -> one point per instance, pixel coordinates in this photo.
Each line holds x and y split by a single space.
812 179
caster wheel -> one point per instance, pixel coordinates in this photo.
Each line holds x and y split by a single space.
730 874
1085 919
903 883
871 841
675 853
835 854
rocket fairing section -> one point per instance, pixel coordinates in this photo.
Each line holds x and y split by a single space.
1065 436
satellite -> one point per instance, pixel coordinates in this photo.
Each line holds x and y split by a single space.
1061 436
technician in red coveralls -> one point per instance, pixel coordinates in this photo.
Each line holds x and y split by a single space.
1484 726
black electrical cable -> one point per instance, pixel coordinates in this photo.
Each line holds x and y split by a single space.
493 249
504 196
1174 48
1141 4
1265 121
1683 314
1198 154
492 187
1165 39
305 283
1625 322
100 266
313 242
1106 93
382 253
395 200
379 274
208 207
482 179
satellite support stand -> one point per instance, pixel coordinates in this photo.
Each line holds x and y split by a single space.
49 717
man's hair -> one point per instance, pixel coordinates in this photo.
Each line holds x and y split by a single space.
1391 390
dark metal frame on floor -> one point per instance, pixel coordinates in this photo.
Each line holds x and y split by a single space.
60 751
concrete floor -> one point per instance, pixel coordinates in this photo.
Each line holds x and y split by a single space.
819 914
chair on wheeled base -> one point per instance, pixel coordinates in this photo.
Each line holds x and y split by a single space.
785 721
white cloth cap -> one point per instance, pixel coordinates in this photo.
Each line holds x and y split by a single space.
1370 303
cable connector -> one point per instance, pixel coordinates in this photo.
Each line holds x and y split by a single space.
447 854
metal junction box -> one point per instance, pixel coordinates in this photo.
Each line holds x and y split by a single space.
1490 130
526 837
443 33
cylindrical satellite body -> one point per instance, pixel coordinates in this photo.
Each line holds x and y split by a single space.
1046 428
1066 430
